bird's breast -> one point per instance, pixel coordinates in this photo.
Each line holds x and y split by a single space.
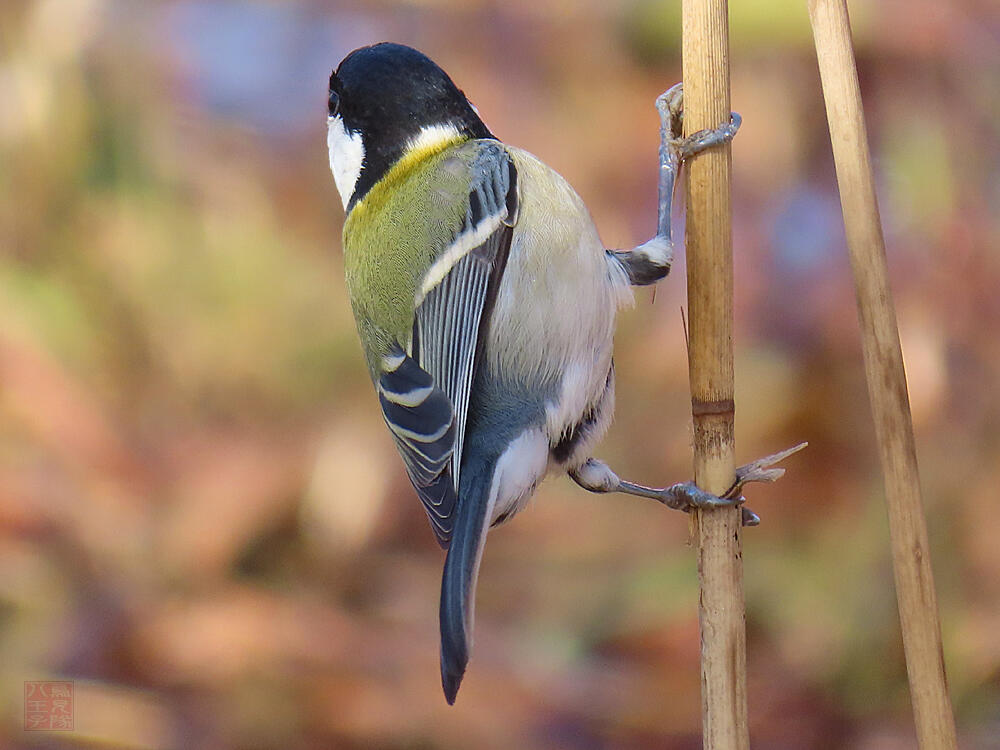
554 318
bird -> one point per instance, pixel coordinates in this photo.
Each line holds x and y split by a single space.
485 304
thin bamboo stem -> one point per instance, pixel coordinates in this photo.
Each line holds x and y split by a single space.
710 303
886 378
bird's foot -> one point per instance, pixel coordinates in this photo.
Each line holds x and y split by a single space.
670 105
688 497
597 476
651 260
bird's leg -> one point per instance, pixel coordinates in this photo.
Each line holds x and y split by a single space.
597 476
675 148
650 261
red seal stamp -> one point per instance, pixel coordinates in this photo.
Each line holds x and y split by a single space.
48 705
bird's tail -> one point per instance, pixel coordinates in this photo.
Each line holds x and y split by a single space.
461 569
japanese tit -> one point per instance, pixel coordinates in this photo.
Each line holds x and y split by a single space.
485 303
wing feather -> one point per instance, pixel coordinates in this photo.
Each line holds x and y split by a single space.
453 313
425 397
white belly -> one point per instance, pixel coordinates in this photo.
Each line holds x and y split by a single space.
555 314
554 322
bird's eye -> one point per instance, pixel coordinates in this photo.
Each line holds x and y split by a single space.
334 103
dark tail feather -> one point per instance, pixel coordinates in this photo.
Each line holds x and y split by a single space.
458 584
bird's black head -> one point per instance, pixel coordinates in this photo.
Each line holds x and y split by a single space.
383 99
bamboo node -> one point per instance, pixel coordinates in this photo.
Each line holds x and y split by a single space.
700 408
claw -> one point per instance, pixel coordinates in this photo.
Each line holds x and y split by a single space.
670 105
703 139
748 517
688 497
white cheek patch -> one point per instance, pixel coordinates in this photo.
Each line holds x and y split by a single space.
347 153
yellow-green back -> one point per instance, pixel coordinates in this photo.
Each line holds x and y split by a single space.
395 233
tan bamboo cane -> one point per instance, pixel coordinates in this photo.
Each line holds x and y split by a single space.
710 303
886 379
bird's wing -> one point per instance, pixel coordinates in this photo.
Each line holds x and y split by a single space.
452 310
421 420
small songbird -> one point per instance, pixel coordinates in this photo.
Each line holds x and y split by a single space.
485 303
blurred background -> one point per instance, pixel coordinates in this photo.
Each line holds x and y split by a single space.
203 521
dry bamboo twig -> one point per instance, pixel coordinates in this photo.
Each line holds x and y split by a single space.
886 378
710 302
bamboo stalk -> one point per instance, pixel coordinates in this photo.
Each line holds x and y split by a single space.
710 301
886 378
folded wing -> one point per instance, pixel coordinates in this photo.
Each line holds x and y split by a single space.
425 399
